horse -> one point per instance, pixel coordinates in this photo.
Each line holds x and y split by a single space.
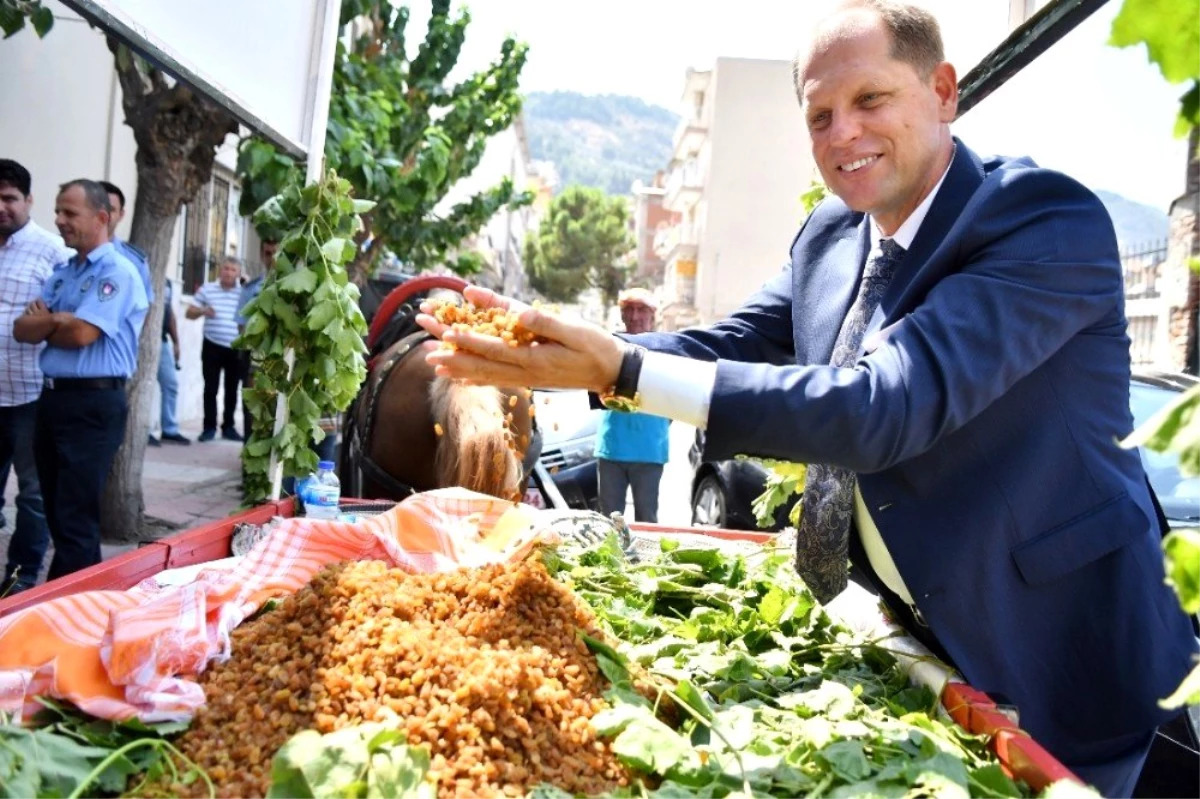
409 431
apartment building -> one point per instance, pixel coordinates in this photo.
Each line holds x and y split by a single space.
647 218
741 161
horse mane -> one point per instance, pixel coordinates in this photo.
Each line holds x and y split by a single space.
474 450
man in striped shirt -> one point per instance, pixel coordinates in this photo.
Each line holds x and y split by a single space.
28 254
217 304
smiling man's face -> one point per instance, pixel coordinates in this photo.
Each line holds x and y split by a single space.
880 131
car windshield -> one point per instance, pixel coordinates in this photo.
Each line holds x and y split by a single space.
1179 495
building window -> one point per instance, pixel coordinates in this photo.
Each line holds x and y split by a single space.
206 233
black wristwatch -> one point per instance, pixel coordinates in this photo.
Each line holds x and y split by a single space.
623 396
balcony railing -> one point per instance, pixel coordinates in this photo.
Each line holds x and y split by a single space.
689 136
684 186
667 239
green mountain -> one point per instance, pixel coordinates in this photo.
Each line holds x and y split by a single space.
606 141
1138 226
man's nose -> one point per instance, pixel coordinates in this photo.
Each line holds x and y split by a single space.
844 128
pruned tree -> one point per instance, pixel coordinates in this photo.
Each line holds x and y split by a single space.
177 132
583 242
403 136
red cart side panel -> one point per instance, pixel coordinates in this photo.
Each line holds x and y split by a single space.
1023 757
212 541
115 574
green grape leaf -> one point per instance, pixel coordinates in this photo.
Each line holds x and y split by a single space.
1169 31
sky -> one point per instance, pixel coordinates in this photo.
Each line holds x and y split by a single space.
1103 115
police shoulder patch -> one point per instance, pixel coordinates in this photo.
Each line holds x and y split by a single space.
108 289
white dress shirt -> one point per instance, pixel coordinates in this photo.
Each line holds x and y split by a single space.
681 388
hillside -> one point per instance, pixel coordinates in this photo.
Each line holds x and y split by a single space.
1138 225
606 141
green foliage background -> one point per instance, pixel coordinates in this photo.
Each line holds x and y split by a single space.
403 135
581 243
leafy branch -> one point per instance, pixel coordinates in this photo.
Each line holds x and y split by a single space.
14 13
404 136
307 307
784 480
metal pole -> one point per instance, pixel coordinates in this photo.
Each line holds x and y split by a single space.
322 78
1021 47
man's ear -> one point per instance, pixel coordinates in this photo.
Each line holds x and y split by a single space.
945 86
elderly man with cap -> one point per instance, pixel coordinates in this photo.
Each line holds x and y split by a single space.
631 448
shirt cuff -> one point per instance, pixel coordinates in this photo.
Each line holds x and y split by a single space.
676 387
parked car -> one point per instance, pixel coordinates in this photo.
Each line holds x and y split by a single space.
568 426
723 491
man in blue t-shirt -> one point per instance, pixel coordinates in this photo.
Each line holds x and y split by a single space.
631 448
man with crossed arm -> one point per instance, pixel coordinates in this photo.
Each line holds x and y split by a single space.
89 316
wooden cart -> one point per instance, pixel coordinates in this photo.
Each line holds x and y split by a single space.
973 710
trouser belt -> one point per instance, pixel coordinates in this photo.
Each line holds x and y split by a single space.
81 383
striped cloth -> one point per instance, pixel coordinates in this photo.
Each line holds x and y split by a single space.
135 653
220 329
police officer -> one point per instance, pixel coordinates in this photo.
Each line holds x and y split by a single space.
116 201
90 315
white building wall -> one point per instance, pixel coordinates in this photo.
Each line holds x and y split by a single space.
758 166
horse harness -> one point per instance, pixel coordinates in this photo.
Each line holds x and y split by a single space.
363 466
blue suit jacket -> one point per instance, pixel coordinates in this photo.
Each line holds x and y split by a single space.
982 420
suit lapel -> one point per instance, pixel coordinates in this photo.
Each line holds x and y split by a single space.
826 273
922 266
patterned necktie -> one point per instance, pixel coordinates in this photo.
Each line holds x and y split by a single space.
827 507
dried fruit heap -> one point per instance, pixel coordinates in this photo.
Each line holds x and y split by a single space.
485 321
483 666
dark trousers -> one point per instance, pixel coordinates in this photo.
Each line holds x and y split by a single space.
31 537
614 477
76 437
216 360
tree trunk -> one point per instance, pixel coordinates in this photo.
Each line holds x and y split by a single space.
124 504
177 133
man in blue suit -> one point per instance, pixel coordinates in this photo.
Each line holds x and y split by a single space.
947 348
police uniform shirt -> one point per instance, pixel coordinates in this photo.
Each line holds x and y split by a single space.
138 259
104 290
249 292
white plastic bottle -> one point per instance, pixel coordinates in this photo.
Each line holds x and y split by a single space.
321 495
